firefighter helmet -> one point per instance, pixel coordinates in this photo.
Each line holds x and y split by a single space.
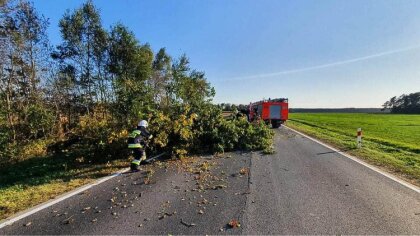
143 123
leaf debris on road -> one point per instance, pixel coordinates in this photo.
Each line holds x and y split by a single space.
220 186
233 223
244 171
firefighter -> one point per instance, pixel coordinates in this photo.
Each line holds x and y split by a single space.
137 141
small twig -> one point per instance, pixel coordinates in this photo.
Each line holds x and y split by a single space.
187 224
165 214
169 214
153 158
220 186
67 221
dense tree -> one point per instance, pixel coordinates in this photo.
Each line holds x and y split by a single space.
81 55
24 63
189 86
159 82
405 104
130 65
99 84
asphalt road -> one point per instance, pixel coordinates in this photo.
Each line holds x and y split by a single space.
304 188
176 199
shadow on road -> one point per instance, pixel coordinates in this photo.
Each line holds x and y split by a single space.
340 151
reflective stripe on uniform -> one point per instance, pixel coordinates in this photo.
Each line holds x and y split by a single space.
134 133
136 162
135 145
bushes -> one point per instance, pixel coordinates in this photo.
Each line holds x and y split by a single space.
39 120
179 130
183 131
236 133
100 137
94 129
6 149
28 135
173 130
254 136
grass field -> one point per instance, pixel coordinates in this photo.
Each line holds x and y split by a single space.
390 141
36 180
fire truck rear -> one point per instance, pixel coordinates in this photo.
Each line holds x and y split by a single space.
274 111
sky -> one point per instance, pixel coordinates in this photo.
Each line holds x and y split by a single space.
317 53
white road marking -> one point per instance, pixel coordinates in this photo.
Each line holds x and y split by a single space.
60 198
396 179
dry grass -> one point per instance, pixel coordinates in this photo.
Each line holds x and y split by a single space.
20 192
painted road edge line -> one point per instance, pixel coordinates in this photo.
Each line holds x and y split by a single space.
30 211
388 175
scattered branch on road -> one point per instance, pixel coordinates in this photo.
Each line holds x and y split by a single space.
187 224
220 186
68 220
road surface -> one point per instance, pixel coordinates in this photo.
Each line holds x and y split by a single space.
304 188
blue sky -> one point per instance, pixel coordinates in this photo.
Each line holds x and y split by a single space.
317 53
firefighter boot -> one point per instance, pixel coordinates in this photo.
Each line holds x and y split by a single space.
135 165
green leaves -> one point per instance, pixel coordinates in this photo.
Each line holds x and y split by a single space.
404 104
104 82
40 120
84 49
131 65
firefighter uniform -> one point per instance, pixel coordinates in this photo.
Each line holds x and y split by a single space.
136 142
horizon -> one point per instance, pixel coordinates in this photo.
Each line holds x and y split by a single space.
317 54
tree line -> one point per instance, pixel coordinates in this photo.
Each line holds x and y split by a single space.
96 84
233 107
404 104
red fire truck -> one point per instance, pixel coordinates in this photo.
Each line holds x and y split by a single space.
274 111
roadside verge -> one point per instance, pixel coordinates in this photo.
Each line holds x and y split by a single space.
20 215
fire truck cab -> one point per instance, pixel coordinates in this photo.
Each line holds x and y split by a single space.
274 111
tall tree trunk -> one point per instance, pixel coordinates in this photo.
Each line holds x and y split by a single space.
88 72
8 101
33 74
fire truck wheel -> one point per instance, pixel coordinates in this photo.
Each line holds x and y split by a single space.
275 124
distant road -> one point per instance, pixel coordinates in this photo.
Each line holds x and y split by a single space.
304 188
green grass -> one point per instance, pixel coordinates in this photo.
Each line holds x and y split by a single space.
31 181
390 141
